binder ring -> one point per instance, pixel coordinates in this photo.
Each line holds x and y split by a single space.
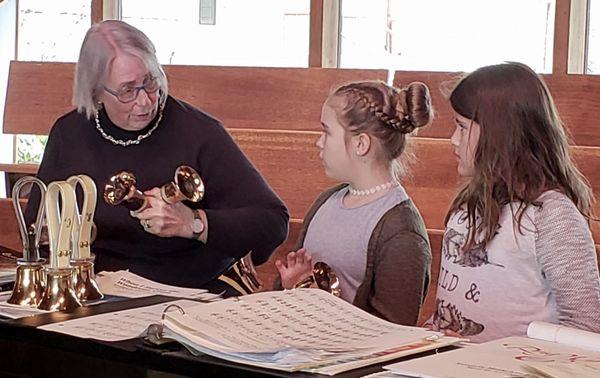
181 310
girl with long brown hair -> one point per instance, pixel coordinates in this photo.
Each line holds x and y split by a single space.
517 245
368 229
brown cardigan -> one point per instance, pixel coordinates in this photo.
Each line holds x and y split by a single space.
398 262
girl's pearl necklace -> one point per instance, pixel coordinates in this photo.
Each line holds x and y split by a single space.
373 190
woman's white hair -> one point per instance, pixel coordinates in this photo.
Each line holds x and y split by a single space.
100 46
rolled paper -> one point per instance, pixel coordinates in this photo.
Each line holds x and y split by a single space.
30 236
60 222
83 221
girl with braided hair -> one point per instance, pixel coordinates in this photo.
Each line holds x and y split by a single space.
367 229
517 245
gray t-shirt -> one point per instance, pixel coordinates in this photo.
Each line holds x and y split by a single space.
339 236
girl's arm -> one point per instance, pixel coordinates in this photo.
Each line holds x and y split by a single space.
400 278
567 256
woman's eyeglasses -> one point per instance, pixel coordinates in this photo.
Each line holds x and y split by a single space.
129 93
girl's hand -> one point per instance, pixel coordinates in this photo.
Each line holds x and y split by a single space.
165 220
447 332
298 266
451 333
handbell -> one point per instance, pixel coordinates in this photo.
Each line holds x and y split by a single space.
30 279
186 185
242 276
121 190
324 277
84 280
60 294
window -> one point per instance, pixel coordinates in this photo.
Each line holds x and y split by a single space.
52 30
593 40
207 12
436 35
271 33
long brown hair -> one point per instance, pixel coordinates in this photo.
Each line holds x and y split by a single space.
522 150
386 113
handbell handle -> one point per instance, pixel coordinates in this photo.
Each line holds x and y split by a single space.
305 282
60 222
82 221
31 240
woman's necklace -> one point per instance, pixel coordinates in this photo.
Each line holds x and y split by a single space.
129 142
373 190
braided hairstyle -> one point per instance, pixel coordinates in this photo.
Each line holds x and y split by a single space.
386 113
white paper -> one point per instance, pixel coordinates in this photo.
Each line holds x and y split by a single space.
561 370
302 329
115 326
501 358
564 335
126 284
12 311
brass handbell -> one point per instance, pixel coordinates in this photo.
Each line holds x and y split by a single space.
82 260
121 190
30 278
242 276
60 293
186 185
324 277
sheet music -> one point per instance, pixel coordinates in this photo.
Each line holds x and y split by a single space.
126 284
303 319
301 329
115 326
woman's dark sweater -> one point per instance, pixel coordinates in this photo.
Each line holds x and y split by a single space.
243 212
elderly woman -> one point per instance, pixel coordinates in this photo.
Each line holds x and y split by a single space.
125 120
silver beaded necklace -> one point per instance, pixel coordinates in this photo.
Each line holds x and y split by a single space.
129 142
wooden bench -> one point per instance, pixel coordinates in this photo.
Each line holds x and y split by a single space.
273 113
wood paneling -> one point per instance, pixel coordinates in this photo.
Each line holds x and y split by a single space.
9 229
315 50
267 272
435 240
271 98
289 161
30 169
560 54
97 10
254 98
433 184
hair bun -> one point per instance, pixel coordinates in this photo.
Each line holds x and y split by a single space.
413 107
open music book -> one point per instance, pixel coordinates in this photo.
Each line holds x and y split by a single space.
549 351
296 330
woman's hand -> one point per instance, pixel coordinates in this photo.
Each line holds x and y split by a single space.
298 266
165 220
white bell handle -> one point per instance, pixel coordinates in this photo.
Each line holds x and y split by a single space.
83 221
60 222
